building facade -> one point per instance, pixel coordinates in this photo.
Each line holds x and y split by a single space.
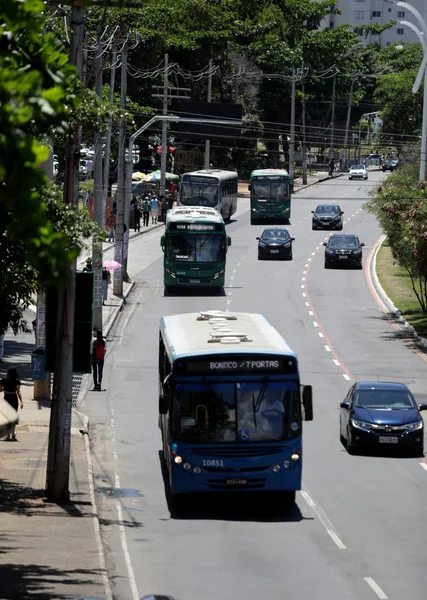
368 12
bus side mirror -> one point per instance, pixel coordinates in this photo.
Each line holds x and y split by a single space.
249 187
291 187
163 404
324 244
228 240
162 242
307 402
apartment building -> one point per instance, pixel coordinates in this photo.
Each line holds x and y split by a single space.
368 12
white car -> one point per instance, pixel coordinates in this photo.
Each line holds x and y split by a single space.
358 172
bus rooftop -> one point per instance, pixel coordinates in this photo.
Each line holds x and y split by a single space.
220 173
270 172
192 213
212 331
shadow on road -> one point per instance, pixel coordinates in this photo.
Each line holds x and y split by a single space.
231 506
201 292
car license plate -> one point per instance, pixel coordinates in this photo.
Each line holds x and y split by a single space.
274 251
194 280
237 481
388 440
343 257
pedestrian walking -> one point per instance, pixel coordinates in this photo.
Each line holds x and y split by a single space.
111 224
1 345
11 387
146 209
331 167
106 280
154 210
136 217
99 349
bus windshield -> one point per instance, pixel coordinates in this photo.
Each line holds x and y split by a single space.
265 190
199 193
195 247
261 411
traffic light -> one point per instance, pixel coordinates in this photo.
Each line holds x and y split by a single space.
83 328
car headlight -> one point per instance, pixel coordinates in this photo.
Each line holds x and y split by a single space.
286 244
329 251
357 252
316 217
360 424
261 243
414 426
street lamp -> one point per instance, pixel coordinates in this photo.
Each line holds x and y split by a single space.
422 36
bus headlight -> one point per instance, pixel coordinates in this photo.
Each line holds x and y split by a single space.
276 468
286 464
197 470
187 466
254 210
295 457
178 460
172 274
216 275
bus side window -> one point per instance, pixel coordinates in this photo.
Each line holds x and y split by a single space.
161 359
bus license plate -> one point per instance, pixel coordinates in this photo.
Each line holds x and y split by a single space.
237 481
389 440
194 280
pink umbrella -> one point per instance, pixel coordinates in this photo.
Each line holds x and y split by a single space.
110 265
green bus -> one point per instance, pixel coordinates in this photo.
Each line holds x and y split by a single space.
195 247
270 196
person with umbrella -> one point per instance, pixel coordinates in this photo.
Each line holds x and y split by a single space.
106 280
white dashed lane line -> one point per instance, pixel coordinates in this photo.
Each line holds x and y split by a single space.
320 334
315 324
424 466
327 348
336 362
323 518
376 588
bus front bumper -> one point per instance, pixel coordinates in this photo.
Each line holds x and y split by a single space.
216 279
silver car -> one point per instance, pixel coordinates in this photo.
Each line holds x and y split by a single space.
358 172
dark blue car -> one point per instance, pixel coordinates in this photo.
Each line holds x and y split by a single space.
379 414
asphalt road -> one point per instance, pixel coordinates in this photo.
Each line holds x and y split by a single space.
358 530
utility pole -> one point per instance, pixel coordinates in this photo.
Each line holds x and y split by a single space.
292 141
304 150
347 127
331 149
164 129
208 142
98 198
107 152
58 460
120 273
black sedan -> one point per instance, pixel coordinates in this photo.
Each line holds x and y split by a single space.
391 164
343 249
327 216
378 414
275 243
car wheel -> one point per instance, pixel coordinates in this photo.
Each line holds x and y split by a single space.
289 256
419 450
351 448
260 257
340 227
383 170
327 265
343 440
314 228
360 266
350 177
365 178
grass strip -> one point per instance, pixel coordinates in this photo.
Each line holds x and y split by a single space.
398 287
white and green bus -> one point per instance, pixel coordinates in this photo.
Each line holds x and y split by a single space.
213 188
270 196
231 405
195 247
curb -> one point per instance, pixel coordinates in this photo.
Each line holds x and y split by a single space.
386 301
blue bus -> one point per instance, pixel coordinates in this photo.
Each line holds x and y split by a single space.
230 405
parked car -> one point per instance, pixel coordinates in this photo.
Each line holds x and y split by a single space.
327 216
380 414
343 249
358 172
391 164
275 243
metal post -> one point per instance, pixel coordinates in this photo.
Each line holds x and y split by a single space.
292 141
120 218
331 149
208 142
164 129
58 467
107 152
304 150
98 193
347 126
423 157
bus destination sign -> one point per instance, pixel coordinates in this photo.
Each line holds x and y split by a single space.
196 227
242 364
199 179
269 177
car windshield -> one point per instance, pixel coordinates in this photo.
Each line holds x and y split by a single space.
357 167
327 210
199 193
262 411
381 399
275 234
194 247
265 190
343 241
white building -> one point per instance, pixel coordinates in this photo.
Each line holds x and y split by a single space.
368 12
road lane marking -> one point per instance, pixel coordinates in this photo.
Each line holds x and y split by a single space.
302 286
304 272
131 573
336 362
424 466
307 304
304 295
310 312
376 588
302 278
327 348
323 518
346 376
315 324
320 334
